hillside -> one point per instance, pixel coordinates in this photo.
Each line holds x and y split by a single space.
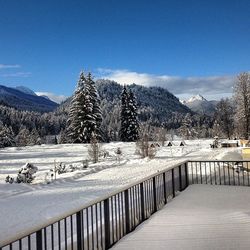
154 103
24 100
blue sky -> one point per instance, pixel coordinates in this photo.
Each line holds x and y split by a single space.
187 46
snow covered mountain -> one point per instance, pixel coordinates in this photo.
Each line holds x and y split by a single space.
154 103
201 105
23 98
26 90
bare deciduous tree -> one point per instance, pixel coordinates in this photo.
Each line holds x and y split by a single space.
224 117
94 149
242 101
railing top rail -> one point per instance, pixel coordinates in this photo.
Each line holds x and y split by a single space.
62 216
218 161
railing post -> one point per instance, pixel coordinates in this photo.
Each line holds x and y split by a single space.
186 174
79 230
39 241
107 223
173 183
180 178
154 194
142 202
127 217
164 188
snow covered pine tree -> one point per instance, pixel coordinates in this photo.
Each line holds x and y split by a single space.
129 122
85 113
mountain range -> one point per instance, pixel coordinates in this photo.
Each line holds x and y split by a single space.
154 103
159 101
23 98
201 105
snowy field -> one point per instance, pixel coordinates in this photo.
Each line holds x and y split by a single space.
28 206
202 217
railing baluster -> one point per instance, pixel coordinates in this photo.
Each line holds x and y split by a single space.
45 239
79 230
39 240
186 175
59 235
20 244
65 234
173 183
142 201
127 217
154 195
164 188
92 227
200 172
180 178
107 223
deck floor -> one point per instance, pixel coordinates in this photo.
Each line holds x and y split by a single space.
202 217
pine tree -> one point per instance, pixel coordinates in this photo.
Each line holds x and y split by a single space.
133 127
6 136
84 115
22 139
124 115
129 122
95 100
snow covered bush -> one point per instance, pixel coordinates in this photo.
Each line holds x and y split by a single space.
25 174
118 153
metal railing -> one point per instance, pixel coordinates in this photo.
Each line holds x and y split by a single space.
102 223
235 173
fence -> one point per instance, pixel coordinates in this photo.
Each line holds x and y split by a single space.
219 172
101 224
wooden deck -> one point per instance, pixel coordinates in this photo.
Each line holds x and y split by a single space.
203 217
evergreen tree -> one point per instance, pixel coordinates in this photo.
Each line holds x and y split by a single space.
129 122
133 127
95 100
124 115
6 136
84 115
22 139
34 138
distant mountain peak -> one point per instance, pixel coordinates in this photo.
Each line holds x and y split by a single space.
23 98
196 98
199 104
26 90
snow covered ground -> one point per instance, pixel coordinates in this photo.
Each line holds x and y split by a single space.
202 217
25 207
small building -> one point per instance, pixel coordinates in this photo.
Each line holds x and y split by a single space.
229 144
